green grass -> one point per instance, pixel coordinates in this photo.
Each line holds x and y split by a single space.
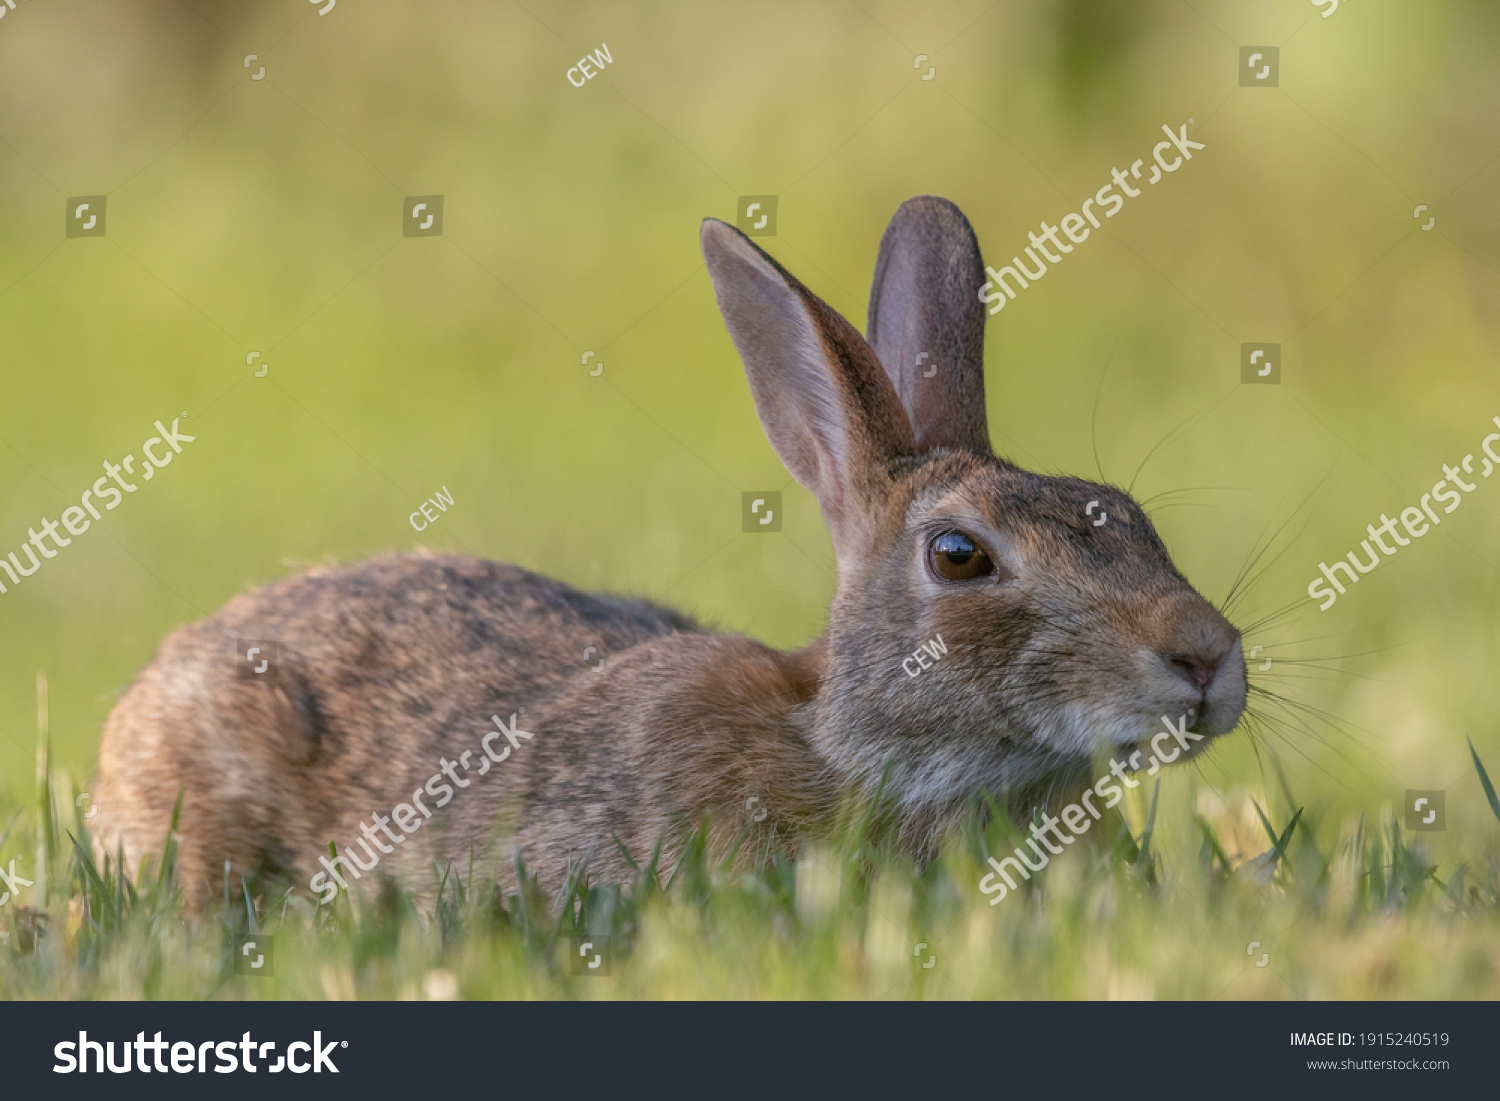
1345 909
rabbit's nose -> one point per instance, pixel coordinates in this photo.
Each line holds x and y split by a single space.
1198 644
1199 668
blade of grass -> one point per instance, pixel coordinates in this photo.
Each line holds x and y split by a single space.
1484 778
1279 843
1213 843
1143 858
634 867
249 906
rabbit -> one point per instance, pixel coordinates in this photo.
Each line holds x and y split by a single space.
576 728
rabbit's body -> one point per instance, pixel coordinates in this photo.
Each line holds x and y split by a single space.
385 671
1066 636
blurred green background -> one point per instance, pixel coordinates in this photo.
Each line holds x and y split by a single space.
265 215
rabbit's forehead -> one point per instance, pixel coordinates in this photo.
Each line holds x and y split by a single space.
1014 501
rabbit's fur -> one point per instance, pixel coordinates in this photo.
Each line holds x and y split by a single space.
1079 643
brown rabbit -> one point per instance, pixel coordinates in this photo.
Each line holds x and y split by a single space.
415 710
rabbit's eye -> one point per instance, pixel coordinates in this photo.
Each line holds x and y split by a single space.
953 556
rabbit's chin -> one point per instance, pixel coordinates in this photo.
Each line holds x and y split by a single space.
1166 734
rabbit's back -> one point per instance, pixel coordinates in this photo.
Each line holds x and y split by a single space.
372 675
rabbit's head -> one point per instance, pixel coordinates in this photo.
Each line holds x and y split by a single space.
1056 628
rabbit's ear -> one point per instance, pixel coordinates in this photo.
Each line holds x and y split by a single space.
927 323
826 405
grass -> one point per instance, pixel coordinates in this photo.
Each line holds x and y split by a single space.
1231 904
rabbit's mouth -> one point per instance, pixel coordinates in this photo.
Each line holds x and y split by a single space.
1171 741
